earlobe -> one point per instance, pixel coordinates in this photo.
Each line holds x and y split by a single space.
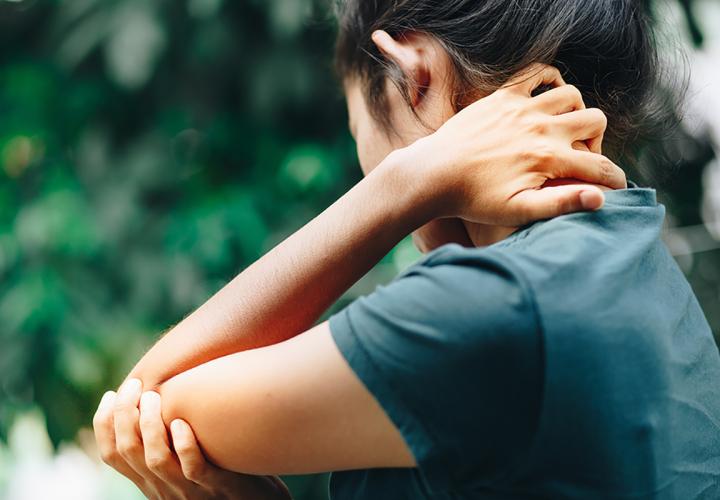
409 57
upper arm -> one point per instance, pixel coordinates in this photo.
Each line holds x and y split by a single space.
441 369
291 408
452 351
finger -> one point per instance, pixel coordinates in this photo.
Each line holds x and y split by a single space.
549 202
192 461
581 146
158 457
104 429
534 76
559 100
586 125
127 437
595 144
589 167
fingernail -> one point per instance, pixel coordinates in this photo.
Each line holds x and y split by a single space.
177 427
130 387
107 399
590 200
149 400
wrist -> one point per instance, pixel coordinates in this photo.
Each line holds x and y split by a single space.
416 192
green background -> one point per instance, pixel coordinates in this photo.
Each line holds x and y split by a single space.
151 149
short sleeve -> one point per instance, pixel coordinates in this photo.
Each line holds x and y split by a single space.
451 350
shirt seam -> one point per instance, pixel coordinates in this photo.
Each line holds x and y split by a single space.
404 407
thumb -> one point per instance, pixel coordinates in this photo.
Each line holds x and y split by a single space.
195 466
552 201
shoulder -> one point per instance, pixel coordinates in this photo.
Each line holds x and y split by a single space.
473 275
455 300
475 278
589 251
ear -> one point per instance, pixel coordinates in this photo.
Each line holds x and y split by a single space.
410 53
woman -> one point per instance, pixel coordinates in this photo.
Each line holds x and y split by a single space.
566 358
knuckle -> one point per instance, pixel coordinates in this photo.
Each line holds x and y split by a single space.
195 472
606 166
539 127
527 157
128 450
158 463
183 447
576 96
541 155
599 116
110 457
607 170
564 205
574 91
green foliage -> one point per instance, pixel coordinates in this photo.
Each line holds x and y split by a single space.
148 151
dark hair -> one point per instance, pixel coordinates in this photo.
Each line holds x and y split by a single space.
606 48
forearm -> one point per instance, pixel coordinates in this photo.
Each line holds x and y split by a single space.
286 291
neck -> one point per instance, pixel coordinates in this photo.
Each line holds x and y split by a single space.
483 235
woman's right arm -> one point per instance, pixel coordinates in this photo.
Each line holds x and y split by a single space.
486 164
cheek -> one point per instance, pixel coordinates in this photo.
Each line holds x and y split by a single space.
372 148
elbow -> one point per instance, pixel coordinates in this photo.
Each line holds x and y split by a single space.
181 400
228 446
238 425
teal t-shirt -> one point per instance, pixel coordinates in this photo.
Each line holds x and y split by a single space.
569 361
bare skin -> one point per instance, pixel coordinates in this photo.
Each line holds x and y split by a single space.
484 171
